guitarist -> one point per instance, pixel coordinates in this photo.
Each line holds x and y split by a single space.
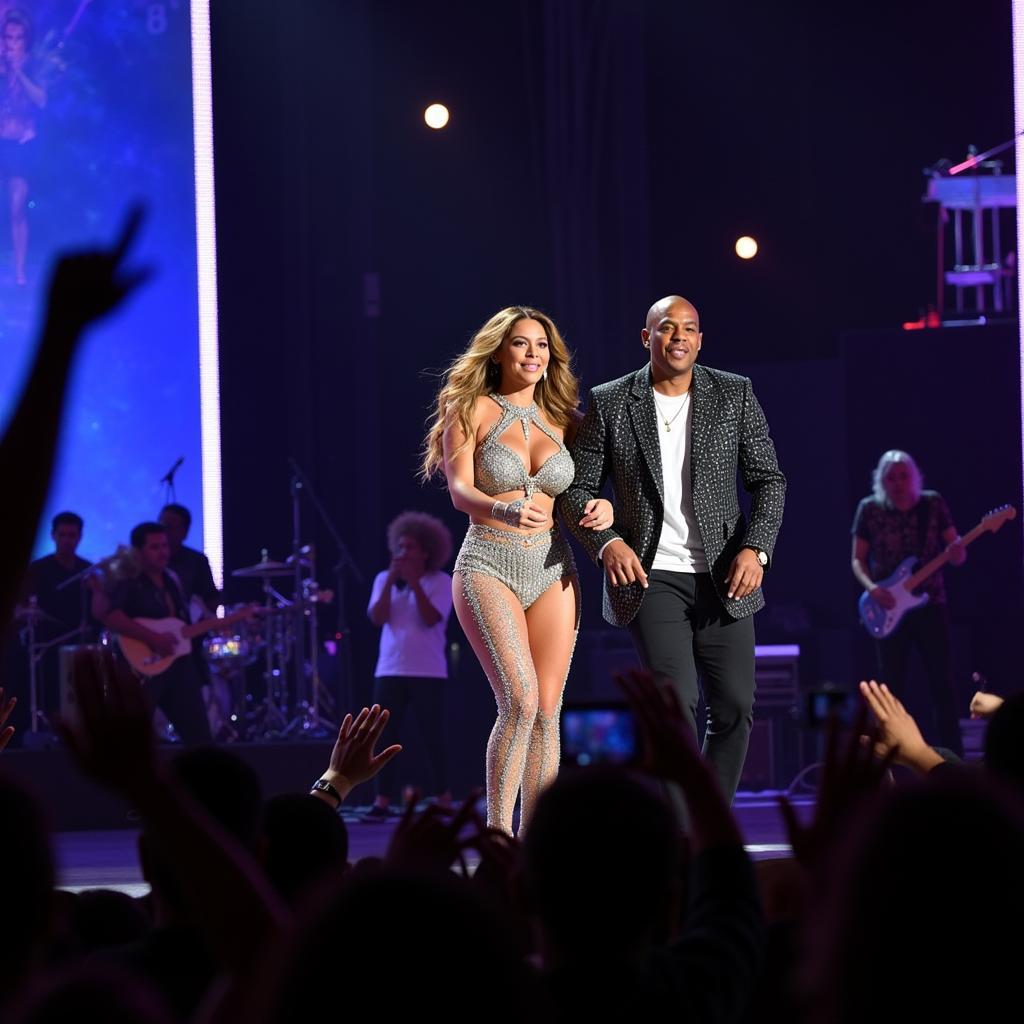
155 594
898 520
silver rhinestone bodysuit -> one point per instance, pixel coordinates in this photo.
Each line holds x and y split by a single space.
498 569
498 469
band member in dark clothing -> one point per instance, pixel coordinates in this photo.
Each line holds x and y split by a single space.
51 584
155 594
899 519
68 605
192 567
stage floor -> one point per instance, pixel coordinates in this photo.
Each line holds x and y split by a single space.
107 858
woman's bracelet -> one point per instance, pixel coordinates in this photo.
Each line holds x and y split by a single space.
508 511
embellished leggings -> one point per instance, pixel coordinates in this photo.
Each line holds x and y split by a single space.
498 571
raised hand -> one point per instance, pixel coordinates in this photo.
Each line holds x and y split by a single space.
985 705
670 752
667 747
431 840
88 285
500 860
897 731
850 775
111 733
353 759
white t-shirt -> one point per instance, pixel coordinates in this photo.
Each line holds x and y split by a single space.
680 548
408 647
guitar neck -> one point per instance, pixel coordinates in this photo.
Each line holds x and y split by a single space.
205 625
941 559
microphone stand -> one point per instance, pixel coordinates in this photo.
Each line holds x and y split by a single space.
170 495
307 717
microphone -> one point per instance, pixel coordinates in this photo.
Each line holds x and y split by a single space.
168 477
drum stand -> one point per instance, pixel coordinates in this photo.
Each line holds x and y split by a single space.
307 720
275 699
36 652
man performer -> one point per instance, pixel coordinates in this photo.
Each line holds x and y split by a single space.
155 594
683 566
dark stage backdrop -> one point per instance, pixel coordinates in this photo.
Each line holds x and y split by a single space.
600 154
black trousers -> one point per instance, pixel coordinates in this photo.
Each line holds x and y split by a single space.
683 632
927 629
425 696
178 693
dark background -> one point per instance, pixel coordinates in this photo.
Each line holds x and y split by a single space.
602 154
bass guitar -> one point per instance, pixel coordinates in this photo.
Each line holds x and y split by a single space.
881 622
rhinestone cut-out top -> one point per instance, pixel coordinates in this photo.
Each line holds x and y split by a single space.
498 469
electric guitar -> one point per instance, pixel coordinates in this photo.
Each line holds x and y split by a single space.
144 660
879 621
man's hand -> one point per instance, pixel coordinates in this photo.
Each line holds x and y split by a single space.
405 569
957 552
163 644
622 566
883 597
745 574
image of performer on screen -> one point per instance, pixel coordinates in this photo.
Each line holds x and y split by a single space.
22 96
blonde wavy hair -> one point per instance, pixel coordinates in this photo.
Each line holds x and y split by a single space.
473 374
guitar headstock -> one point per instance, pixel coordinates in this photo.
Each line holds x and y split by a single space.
995 519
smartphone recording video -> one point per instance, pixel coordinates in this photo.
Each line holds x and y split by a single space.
604 734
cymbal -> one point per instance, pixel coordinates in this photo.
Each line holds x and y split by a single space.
265 568
32 613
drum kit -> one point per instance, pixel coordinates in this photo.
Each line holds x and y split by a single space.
278 640
265 670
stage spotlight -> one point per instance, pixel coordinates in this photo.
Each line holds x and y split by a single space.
436 115
746 247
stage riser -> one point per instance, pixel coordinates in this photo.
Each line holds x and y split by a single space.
74 803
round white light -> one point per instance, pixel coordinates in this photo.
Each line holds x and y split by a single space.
436 115
746 247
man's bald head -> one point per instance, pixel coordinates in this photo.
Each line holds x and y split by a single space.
660 309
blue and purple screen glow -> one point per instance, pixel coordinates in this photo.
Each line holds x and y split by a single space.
117 128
